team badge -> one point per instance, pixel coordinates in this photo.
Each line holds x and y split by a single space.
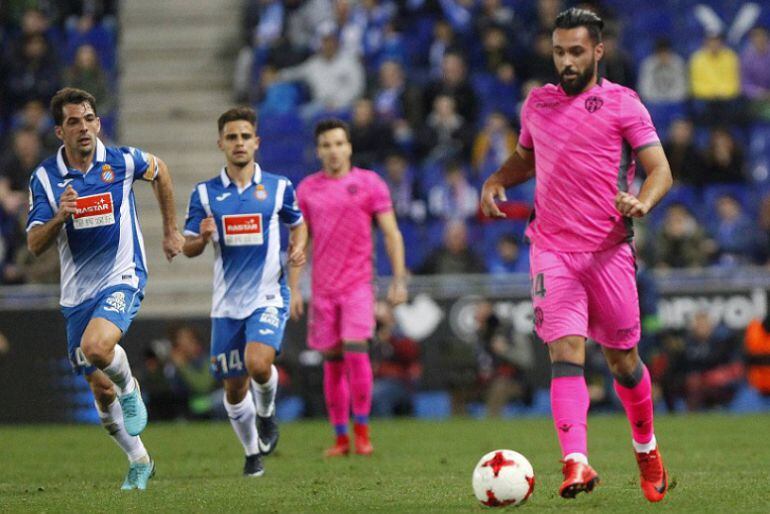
352 189
593 104
108 175
260 192
538 317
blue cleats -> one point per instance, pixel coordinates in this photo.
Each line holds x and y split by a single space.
134 411
138 475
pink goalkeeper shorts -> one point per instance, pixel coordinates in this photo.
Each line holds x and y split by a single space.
341 317
589 294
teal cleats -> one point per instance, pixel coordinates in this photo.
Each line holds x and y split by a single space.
138 475
134 411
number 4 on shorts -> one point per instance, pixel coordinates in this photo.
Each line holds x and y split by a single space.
539 286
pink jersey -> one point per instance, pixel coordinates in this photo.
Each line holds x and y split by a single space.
339 213
584 154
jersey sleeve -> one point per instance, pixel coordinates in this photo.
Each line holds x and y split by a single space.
379 198
290 212
636 124
195 214
525 138
40 209
145 164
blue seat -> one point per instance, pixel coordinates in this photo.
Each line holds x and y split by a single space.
747 399
290 408
686 195
432 405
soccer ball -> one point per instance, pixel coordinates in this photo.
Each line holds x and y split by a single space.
503 477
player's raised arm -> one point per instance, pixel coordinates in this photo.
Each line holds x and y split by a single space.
518 168
394 245
41 235
655 186
164 192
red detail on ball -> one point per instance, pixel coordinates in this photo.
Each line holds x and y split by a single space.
492 500
531 482
498 462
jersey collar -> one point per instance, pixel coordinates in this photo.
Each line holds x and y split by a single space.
226 180
101 156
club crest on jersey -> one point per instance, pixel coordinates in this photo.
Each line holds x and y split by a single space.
593 104
116 302
270 317
108 174
352 189
260 192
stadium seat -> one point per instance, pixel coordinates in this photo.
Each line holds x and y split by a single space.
432 405
290 408
747 400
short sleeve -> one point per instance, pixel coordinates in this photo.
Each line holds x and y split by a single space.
525 138
40 209
145 164
635 122
195 214
290 212
379 196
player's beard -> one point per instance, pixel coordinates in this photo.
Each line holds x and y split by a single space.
578 84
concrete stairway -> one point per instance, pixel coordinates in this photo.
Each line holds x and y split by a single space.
176 66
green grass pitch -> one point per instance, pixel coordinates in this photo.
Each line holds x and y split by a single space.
719 464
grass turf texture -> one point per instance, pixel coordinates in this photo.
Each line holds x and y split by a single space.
719 464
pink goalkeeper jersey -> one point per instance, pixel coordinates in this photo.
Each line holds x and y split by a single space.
339 213
584 154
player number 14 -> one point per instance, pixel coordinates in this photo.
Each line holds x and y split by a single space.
234 363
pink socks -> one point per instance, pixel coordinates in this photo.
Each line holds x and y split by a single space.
635 393
569 406
337 392
359 369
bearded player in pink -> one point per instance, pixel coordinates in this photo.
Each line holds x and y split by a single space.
339 204
580 139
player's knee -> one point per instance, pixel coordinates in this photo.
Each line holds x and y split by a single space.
259 367
96 349
236 389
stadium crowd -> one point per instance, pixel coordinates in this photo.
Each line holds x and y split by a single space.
432 91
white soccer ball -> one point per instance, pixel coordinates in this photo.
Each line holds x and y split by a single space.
503 477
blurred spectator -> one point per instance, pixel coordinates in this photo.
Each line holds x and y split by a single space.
370 137
190 370
277 98
616 65
683 156
493 145
715 80
756 344
682 243
503 92
663 76
446 134
394 99
755 73
86 73
396 366
763 252
539 64
723 159
454 256
734 233
454 83
16 165
386 43
493 13
304 17
714 369
335 78
505 361
32 73
454 198
36 115
400 180
443 42
510 257
496 49
351 23
163 401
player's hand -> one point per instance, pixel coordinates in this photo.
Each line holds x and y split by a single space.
630 206
397 292
172 244
67 203
296 255
490 193
207 228
296 305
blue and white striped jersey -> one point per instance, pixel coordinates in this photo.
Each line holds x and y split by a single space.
101 244
248 273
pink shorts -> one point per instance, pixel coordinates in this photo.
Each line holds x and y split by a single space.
341 317
589 294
